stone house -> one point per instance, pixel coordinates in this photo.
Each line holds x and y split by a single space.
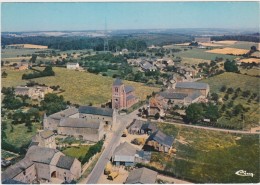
46 164
157 105
141 127
24 90
159 141
33 92
123 97
146 66
71 65
142 176
44 138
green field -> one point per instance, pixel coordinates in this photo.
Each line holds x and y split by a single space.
80 87
234 80
205 156
10 53
243 45
252 72
76 151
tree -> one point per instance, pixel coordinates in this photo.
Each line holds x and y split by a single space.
214 97
246 94
194 113
230 66
4 74
157 116
230 90
223 88
53 103
212 112
253 49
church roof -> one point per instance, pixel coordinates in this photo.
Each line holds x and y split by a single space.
129 89
118 82
65 162
96 111
79 123
64 113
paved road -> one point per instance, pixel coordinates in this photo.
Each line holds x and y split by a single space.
122 122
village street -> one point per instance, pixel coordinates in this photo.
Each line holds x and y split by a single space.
121 124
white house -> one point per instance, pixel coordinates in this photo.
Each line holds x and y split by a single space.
71 65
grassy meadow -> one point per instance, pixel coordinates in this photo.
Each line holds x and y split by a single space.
76 151
205 156
80 87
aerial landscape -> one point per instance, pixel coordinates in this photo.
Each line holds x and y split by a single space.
130 93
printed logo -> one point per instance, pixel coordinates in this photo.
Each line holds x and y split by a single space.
244 173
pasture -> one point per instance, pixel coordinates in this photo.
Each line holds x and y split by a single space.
80 87
205 156
230 51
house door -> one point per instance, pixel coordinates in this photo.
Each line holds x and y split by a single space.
53 174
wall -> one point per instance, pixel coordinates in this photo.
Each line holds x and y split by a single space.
28 176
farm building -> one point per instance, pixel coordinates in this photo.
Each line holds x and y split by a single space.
159 141
44 138
187 71
202 39
192 87
141 176
157 105
33 92
124 154
141 127
146 66
123 97
90 130
71 65
43 164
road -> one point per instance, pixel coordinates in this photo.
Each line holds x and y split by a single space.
122 122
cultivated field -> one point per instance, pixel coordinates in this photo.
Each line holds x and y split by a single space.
205 156
193 61
230 51
250 60
80 87
30 46
256 54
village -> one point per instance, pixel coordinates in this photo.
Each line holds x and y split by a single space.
125 104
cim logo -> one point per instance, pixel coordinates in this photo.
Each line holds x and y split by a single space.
244 173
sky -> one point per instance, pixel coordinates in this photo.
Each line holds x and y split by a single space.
17 17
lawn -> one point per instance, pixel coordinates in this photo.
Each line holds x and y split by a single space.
205 156
234 80
76 151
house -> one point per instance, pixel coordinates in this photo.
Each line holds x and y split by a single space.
159 141
71 65
157 105
148 128
33 92
44 138
202 39
142 176
123 97
187 71
146 66
191 87
42 163
124 154
90 130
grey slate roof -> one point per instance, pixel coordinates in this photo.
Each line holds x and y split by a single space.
64 113
11 181
192 85
162 138
173 95
21 88
141 176
130 97
118 82
41 154
79 123
16 169
145 155
149 126
129 89
137 124
194 95
125 152
96 111
65 162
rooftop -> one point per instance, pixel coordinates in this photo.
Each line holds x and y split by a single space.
141 176
129 89
124 152
192 85
173 95
118 82
46 134
79 123
16 169
64 113
162 138
65 162
96 111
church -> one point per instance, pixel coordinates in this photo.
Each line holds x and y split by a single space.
123 96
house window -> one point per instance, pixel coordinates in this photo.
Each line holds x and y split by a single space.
116 89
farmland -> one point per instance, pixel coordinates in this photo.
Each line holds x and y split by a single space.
209 156
93 88
250 60
233 51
